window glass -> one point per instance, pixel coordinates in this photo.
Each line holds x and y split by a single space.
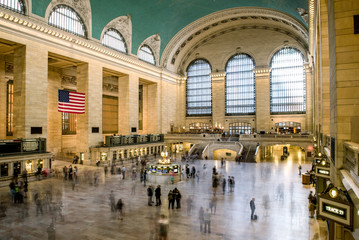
146 54
240 85
113 39
287 82
67 19
14 5
199 88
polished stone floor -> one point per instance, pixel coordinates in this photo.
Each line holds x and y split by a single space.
281 205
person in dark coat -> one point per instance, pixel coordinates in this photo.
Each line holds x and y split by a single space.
158 195
149 195
253 208
171 199
177 197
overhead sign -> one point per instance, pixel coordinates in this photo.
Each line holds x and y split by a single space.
335 208
323 172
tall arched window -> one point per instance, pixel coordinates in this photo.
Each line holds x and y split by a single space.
287 82
146 54
199 88
240 85
113 39
67 19
13 5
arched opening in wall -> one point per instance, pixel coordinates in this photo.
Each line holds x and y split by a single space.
287 127
226 154
14 5
237 128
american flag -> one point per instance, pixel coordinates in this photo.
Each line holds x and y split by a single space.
71 102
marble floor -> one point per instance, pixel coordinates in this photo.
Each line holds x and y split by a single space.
82 211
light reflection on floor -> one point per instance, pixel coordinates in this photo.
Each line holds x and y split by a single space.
281 206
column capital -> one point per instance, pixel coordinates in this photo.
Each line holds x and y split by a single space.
262 71
218 76
307 67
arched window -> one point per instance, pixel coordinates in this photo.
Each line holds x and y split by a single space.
240 85
199 88
113 39
67 19
287 82
13 5
146 54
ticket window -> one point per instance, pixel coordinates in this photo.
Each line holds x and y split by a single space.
17 168
114 156
40 163
4 170
125 153
103 157
28 166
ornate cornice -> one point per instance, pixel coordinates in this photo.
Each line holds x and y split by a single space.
218 76
219 19
262 72
68 80
110 87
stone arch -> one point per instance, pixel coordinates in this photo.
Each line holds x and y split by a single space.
154 42
82 8
230 55
123 24
275 50
226 20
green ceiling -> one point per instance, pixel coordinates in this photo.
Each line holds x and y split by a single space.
166 17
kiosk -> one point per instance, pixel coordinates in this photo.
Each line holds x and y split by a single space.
164 171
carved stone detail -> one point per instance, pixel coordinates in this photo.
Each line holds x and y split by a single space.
9 67
123 24
154 42
82 7
68 80
193 30
110 87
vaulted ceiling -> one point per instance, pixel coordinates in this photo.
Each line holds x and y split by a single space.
167 17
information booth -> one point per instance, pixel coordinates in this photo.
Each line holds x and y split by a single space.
164 171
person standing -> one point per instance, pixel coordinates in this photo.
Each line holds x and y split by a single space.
112 201
253 208
300 169
158 195
149 195
171 200
201 218
177 197
207 221
123 172
119 207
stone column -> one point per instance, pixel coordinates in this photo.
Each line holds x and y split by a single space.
3 97
30 90
309 99
128 104
262 77
89 81
54 131
218 98
152 111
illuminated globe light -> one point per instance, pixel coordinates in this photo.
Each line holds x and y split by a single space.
333 192
323 162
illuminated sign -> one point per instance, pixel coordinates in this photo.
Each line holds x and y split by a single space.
336 210
323 172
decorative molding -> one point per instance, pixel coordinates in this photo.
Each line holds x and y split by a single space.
218 76
68 80
9 67
110 87
154 42
262 72
218 19
123 24
82 7
58 34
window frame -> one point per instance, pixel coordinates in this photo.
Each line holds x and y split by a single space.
122 39
241 86
152 54
287 91
187 90
66 17
12 3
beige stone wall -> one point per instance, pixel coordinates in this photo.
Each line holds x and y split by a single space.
3 91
